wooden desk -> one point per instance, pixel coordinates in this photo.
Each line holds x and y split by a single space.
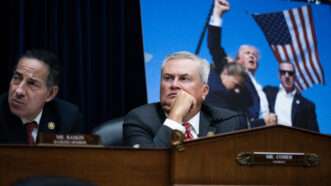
206 161
102 166
213 160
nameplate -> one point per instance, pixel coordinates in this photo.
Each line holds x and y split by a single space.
278 158
68 139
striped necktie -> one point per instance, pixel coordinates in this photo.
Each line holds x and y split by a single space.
188 131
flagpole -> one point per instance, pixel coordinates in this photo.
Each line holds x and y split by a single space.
202 35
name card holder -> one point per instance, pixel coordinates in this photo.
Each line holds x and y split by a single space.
278 158
68 139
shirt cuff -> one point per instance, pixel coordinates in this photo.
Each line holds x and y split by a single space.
215 21
174 125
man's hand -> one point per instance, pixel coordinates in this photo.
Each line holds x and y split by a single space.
270 119
182 106
220 7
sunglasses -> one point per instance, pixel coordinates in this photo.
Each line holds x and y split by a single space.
283 72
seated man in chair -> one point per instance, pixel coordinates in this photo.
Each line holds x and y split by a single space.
184 87
30 105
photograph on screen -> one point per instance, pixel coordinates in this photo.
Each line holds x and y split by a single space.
293 31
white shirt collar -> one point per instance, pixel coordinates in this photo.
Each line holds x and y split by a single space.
194 121
264 105
36 119
282 89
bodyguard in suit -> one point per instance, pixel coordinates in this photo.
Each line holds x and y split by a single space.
291 108
183 90
30 106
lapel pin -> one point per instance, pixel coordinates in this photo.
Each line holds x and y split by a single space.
297 102
51 125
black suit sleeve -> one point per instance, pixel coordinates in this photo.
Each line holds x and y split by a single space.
78 123
311 118
231 124
214 45
228 121
71 119
271 93
138 131
257 123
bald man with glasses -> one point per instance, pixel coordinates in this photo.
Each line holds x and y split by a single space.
291 108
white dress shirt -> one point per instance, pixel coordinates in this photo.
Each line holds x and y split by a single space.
179 126
264 106
215 21
283 106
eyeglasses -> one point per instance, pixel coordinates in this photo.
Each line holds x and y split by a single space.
283 72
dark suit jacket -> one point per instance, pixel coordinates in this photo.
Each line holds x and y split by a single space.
65 115
303 111
219 96
144 125
247 101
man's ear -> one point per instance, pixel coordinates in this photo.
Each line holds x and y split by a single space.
52 92
205 91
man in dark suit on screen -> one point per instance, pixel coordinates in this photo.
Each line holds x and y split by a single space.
183 90
252 100
30 106
291 108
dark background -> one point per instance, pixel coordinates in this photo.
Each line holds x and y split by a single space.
99 44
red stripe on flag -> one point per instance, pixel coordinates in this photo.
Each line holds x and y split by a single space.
297 67
300 52
319 66
276 53
295 41
305 34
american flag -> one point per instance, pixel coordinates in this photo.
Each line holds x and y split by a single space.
291 35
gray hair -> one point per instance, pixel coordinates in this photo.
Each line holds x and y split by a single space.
204 67
249 46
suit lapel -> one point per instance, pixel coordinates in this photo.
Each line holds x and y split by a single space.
255 106
205 125
295 108
160 113
272 100
13 126
16 130
48 122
